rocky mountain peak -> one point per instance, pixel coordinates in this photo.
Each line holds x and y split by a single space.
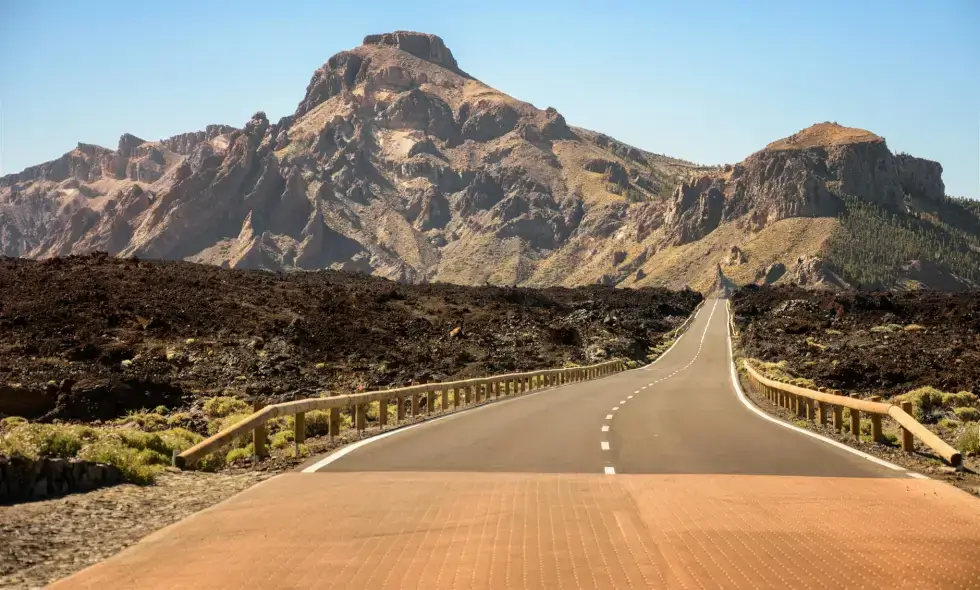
422 45
824 135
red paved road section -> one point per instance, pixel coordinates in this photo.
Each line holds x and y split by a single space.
510 530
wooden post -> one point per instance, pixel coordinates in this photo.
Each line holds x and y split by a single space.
822 413
876 435
444 396
334 419
360 411
259 435
299 430
415 405
400 412
455 398
809 409
838 418
908 443
467 395
382 413
856 423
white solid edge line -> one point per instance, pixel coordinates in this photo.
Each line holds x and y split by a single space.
604 445
694 319
916 475
610 470
748 404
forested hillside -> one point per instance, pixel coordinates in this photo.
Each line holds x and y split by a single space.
874 247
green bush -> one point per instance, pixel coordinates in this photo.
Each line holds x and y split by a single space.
146 420
11 421
35 441
179 419
317 423
949 424
222 406
969 441
926 402
963 399
136 466
282 439
216 425
239 454
967 414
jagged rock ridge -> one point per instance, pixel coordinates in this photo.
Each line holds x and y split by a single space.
398 163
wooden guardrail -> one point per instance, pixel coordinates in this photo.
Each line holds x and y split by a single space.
819 405
407 398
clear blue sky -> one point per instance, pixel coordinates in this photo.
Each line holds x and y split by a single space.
708 81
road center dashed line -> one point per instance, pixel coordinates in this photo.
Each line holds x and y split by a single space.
609 470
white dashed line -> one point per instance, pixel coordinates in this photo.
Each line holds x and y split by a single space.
615 408
629 397
604 445
610 470
605 428
608 416
622 401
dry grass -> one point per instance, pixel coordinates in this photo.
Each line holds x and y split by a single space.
822 135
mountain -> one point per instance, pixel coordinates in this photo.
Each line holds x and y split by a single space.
398 163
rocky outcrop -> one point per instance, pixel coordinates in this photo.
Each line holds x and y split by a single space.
695 210
428 47
23 480
920 178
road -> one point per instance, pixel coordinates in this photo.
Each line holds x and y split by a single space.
657 477
679 415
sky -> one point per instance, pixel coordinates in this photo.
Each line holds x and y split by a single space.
707 81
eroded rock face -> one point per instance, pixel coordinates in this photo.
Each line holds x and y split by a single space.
397 163
428 47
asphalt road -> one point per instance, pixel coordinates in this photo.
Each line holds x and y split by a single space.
679 415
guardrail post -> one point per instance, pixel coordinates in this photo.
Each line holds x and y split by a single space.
415 405
822 413
259 435
359 412
400 412
299 430
856 423
839 418
908 443
876 435
444 396
383 412
334 418
467 395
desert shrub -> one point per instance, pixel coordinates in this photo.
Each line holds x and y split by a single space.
963 399
282 439
832 332
239 454
222 406
317 423
949 424
135 465
813 343
914 328
178 419
35 441
967 414
969 440
11 421
149 421
927 402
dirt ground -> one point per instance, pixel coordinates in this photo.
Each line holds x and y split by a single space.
48 540
93 337
880 343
